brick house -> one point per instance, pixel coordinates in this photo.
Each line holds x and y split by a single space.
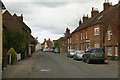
100 30
47 44
14 23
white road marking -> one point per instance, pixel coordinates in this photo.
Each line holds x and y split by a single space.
45 70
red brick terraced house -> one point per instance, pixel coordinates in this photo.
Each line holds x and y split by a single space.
100 30
14 23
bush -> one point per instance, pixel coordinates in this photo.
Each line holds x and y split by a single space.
13 54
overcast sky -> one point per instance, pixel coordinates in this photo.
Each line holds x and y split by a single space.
50 18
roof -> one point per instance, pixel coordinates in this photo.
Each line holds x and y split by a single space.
3 6
21 22
9 22
106 17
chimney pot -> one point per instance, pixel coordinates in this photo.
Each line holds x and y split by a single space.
85 18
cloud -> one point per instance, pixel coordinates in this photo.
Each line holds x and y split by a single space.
50 18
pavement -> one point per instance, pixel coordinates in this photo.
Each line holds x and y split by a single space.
20 69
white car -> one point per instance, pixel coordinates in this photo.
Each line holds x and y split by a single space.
78 55
71 53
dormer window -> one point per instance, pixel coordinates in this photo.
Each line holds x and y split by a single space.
96 31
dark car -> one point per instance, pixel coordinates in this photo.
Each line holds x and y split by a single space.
94 54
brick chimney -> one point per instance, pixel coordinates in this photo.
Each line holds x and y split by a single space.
85 18
107 5
49 39
94 12
80 22
21 17
44 40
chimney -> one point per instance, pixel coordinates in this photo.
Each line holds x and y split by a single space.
49 39
44 40
107 5
94 12
21 17
80 22
85 18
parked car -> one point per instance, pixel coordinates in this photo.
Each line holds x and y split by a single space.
94 54
56 50
78 55
71 53
45 50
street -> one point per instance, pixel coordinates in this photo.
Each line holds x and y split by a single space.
50 65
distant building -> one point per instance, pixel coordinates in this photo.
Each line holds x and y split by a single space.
47 44
38 47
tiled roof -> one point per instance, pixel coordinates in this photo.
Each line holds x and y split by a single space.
9 22
21 22
104 17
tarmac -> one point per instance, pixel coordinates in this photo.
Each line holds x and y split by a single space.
22 68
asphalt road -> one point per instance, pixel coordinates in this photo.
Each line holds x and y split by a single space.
50 65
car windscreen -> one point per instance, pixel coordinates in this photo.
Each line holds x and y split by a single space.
97 51
72 51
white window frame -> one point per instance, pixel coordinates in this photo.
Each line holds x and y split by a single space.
109 51
116 51
96 31
97 45
86 35
109 34
81 36
70 40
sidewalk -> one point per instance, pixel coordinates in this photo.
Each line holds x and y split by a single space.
20 69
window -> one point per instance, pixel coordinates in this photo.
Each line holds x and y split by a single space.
70 40
116 51
109 34
96 31
86 35
109 51
97 45
81 36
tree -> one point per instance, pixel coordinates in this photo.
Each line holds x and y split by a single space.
19 41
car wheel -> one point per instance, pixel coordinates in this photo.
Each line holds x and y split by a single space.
83 59
88 61
103 61
74 58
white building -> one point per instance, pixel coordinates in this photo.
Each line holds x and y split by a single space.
38 47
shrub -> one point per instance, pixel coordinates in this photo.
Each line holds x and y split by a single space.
13 54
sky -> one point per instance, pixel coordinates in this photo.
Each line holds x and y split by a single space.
50 18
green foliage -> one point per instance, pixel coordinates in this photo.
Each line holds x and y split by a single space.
19 41
34 42
56 44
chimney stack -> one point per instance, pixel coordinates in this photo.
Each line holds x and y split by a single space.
80 22
85 18
21 17
94 12
45 40
107 5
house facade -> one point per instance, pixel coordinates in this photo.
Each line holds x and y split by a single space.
47 44
99 30
14 23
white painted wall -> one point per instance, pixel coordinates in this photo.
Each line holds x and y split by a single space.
38 47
